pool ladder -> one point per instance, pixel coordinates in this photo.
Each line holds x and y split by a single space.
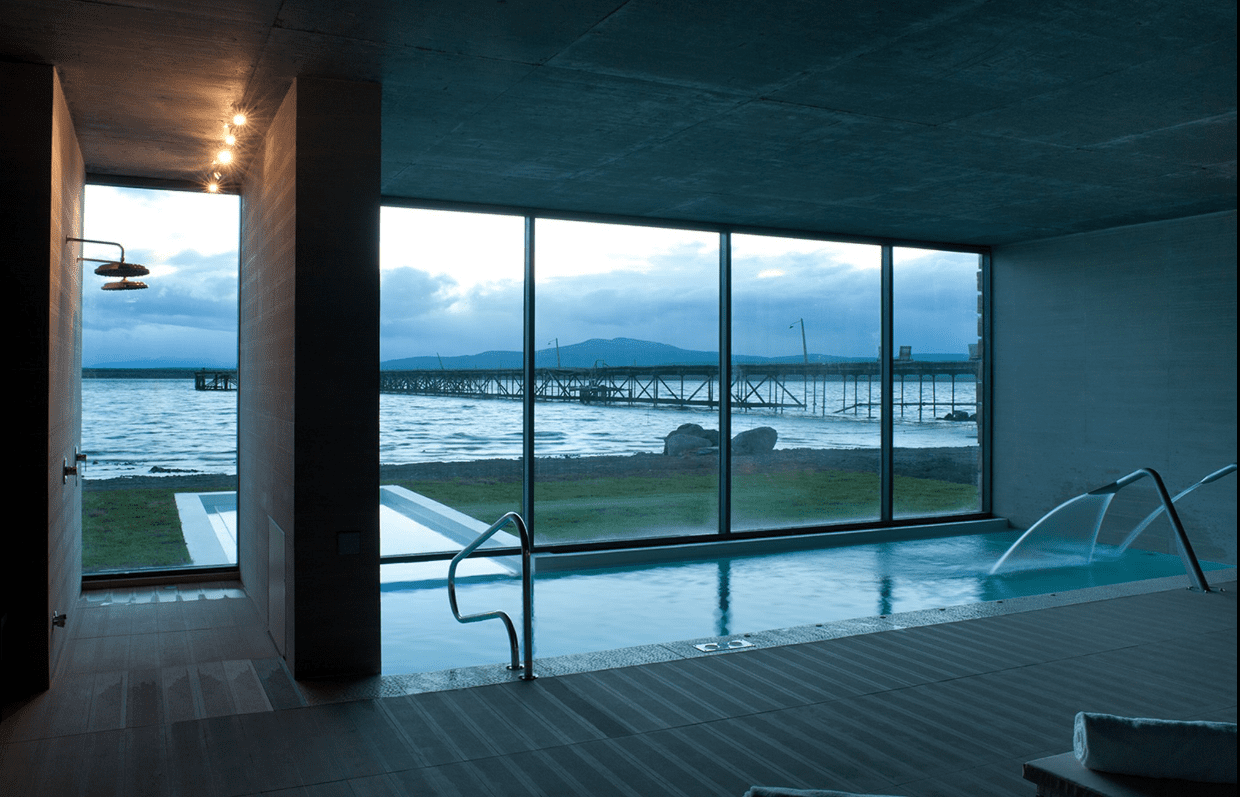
527 594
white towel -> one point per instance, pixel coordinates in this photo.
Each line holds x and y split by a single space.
1201 751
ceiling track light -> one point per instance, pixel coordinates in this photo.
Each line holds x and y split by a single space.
116 268
214 181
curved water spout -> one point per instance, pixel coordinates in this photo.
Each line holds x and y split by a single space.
1098 501
1132 535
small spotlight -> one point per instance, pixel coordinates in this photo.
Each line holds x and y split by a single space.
230 139
213 187
239 119
225 156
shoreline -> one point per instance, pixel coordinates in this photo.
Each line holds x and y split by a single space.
951 464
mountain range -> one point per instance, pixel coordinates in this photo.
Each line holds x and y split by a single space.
615 352
597 351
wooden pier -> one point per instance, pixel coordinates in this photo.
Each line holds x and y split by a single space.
919 385
215 380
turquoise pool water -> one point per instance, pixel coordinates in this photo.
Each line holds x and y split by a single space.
605 609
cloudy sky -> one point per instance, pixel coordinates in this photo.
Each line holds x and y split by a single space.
188 315
452 285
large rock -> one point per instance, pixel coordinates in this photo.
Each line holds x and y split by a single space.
711 436
754 441
676 445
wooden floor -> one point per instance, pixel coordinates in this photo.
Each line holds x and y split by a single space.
181 693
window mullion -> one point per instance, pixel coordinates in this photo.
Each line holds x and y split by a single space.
725 382
528 384
886 380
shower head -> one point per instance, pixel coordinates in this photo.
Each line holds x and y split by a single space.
124 284
111 268
116 268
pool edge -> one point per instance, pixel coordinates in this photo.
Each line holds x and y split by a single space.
319 692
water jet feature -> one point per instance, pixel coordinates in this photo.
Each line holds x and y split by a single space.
1085 513
1136 532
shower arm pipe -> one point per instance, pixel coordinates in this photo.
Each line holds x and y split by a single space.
94 241
1186 548
527 594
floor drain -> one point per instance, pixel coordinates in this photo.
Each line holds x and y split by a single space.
732 644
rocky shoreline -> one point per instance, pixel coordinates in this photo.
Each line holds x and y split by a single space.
958 465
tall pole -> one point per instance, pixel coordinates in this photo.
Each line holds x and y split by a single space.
805 355
805 350
557 351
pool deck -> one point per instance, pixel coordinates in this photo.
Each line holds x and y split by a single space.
179 691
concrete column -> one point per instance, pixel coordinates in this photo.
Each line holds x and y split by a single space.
308 431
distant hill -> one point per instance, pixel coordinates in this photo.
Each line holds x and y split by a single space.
163 363
615 352
619 351
143 373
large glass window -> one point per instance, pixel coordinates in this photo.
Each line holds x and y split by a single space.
627 389
805 399
937 325
159 401
450 343
626 436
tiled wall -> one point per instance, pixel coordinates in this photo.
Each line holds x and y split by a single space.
1116 350
309 373
64 500
41 206
265 396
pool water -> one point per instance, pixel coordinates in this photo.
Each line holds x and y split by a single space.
605 609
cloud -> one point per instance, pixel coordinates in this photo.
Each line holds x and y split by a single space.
158 344
160 222
934 300
423 313
187 289
451 283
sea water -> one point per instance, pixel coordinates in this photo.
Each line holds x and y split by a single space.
132 426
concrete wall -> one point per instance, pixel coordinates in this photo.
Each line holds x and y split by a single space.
265 395
1116 350
308 506
41 206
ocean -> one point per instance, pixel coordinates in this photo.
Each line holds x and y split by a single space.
144 427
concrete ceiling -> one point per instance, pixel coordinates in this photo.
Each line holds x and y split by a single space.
957 120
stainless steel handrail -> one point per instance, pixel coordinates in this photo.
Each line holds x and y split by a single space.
1186 548
527 594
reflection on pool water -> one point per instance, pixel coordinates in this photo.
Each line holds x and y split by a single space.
605 609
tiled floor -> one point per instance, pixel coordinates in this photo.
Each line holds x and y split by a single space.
157 656
187 697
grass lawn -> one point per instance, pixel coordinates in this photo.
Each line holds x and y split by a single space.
131 529
625 507
139 528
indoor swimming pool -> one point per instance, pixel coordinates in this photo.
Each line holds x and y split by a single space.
608 608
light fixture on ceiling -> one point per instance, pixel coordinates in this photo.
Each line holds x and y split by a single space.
219 174
116 268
